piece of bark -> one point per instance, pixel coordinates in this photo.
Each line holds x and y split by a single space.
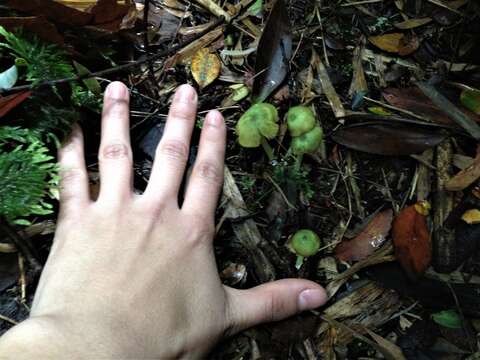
444 246
246 231
424 182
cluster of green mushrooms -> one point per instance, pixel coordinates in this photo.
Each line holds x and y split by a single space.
260 124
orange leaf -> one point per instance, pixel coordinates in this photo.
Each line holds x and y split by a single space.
413 248
370 239
9 102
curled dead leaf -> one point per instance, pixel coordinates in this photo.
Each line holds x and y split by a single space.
206 67
411 237
369 240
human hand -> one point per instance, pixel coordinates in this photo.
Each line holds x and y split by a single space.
132 276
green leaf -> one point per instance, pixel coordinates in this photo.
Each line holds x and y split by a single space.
448 318
91 83
471 100
256 8
8 78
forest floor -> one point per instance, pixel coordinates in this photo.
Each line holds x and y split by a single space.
390 188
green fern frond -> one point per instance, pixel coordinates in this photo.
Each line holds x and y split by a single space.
28 175
43 61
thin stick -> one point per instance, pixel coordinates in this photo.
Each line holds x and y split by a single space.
120 68
7 319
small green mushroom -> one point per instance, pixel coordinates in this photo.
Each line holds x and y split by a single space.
256 125
304 243
300 119
307 135
309 142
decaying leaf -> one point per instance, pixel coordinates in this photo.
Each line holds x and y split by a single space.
273 53
394 138
369 240
413 248
9 102
396 43
450 109
466 177
206 67
471 216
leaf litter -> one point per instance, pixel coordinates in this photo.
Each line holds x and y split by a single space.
392 93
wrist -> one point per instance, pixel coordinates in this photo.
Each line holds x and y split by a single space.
30 338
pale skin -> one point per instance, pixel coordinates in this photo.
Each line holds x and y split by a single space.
134 276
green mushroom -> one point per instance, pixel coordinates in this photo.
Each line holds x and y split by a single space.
307 135
304 243
258 124
300 119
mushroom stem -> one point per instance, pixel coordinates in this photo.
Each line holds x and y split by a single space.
268 149
298 162
299 262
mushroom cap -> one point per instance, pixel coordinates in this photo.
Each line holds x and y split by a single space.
309 142
257 122
305 242
300 120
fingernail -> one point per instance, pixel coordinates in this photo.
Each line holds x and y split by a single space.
311 299
116 90
185 93
214 119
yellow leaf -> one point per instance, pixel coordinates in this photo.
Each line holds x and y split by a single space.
388 42
396 43
471 216
205 67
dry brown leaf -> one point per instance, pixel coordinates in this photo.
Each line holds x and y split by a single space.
465 178
206 67
396 43
369 240
390 350
413 248
53 10
38 25
412 23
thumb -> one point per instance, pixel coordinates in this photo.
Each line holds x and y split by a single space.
271 302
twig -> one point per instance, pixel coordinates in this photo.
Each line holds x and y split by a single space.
22 244
146 44
120 68
7 319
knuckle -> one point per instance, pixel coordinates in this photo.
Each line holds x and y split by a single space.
182 112
273 307
173 149
71 176
209 172
115 151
